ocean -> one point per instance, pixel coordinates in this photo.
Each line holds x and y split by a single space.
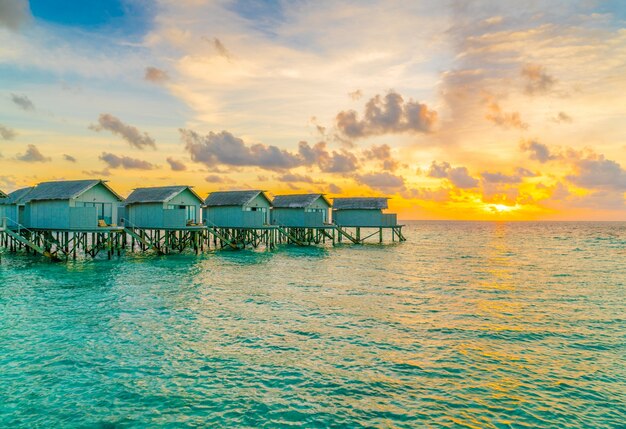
465 325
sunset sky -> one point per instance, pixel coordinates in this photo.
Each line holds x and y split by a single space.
454 109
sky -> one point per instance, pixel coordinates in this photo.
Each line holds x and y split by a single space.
468 110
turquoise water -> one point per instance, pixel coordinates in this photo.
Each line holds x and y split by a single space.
464 325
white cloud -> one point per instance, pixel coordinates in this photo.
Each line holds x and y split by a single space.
14 13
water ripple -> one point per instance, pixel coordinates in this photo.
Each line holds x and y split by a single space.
466 325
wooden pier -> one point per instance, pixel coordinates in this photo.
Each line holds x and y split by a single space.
63 244
307 236
360 234
66 244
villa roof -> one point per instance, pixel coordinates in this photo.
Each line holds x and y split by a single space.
159 194
233 198
297 201
361 203
17 196
64 190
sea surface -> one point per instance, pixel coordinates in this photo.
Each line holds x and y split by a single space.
465 325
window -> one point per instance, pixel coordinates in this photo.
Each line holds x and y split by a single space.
322 211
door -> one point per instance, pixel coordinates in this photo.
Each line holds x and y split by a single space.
104 211
191 213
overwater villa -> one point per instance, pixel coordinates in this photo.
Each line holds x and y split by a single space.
301 211
163 207
237 209
70 204
59 219
362 212
3 197
12 208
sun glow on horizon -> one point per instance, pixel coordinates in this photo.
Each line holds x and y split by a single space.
500 208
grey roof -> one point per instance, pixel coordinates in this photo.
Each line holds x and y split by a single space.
3 195
232 198
17 196
361 203
159 194
297 201
64 190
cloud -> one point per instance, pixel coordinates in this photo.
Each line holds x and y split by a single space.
125 162
214 178
386 182
321 130
560 192
129 133
388 115
69 158
176 165
328 162
7 182
290 177
32 154
597 199
493 20
7 133
599 173
500 178
458 176
339 162
382 153
427 194
97 173
224 148
523 172
503 119
567 43
23 102
72 88
334 189
14 13
439 171
600 200
538 151
562 117
355 95
538 81
155 75
220 48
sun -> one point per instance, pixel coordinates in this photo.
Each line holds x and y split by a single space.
500 208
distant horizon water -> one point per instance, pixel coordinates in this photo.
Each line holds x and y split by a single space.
511 220
467 324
